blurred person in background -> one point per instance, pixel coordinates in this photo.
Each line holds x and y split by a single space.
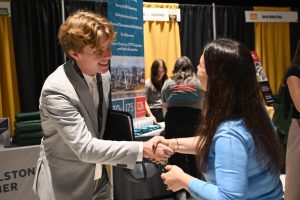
153 87
292 177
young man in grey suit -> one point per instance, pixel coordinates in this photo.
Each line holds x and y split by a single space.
73 115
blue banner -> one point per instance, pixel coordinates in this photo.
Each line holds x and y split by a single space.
127 19
129 106
127 62
118 104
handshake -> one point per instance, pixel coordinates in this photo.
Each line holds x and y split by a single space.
159 150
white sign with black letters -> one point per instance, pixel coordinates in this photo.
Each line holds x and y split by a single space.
271 16
17 172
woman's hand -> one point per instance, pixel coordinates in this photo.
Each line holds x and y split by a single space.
153 119
159 139
176 179
172 143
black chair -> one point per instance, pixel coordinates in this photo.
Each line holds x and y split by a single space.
119 126
144 181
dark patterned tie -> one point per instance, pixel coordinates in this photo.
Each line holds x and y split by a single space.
100 90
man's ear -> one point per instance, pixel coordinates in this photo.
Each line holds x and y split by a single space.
73 54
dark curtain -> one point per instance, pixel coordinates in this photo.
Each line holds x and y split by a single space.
196 29
95 6
37 53
230 22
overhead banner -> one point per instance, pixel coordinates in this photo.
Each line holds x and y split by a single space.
271 16
127 62
263 80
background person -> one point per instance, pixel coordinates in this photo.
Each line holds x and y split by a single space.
153 87
73 107
236 145
292 177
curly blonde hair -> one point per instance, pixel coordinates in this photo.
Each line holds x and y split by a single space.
85 28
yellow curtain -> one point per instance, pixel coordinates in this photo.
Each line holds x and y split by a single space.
9 95
272 44
161 40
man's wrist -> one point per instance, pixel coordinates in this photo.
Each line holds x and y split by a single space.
141 152
147 149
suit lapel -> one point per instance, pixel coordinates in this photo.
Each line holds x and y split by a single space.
82 91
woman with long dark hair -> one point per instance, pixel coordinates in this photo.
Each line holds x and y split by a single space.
236 145
153 87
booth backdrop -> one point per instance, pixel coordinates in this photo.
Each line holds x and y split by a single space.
35 52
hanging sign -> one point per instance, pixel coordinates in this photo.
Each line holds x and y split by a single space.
262 80
161 14
271 16
5 9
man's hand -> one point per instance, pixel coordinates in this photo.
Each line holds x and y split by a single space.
158 153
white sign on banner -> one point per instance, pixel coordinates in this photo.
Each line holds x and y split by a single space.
161 14
271 16
5 9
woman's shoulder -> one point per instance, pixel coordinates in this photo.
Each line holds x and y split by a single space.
294 70
234 129
169 81
149 85
192 80
196 80
148 82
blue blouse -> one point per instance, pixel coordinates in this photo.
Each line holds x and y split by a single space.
233 171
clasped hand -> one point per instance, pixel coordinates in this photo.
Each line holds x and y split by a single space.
156 151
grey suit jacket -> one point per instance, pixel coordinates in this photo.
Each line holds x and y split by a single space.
71 144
